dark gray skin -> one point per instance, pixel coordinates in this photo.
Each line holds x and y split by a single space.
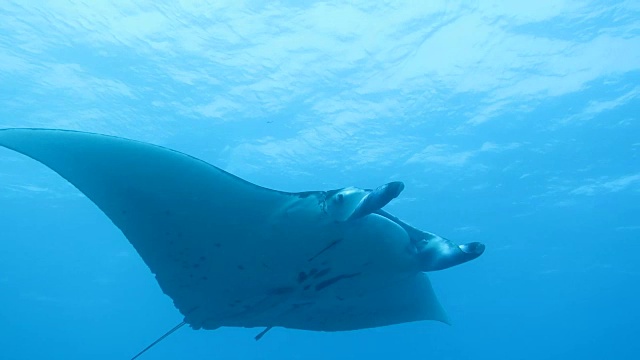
377 199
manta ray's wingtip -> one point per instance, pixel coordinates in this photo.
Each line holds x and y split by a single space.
4 131
7 130
13 131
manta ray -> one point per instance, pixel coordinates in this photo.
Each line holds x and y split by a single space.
230 253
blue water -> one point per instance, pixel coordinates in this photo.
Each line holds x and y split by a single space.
515 125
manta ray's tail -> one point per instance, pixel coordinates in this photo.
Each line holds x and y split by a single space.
159 339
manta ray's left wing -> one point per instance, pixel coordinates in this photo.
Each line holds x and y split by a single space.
200 229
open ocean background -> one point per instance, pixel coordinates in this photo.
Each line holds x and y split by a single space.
511 123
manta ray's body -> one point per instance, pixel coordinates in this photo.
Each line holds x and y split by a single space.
231 253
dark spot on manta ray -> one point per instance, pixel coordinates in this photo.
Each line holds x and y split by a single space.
302 276
240 267
205 278
195 266
340 298
202 258
324 284
281 290
313 273
217 245
299 305
322 273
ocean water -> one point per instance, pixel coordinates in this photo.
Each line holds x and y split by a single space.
512 124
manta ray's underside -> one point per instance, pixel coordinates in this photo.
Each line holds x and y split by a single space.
231 253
